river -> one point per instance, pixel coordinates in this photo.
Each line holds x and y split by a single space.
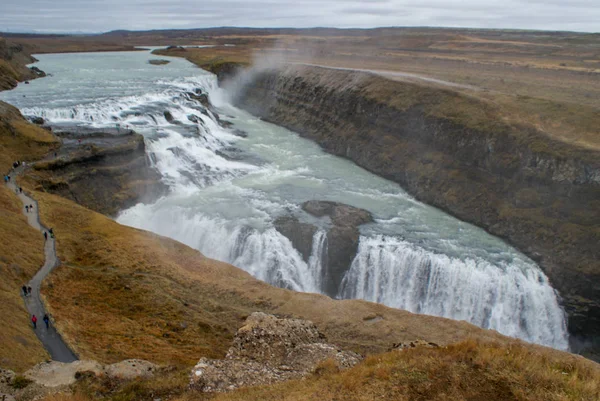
226 191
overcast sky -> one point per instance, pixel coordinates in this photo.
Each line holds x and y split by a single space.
106 15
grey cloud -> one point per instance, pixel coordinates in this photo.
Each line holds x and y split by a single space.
104 15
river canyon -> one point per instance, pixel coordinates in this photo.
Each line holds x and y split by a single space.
238 188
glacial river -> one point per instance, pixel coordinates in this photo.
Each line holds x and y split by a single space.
412 257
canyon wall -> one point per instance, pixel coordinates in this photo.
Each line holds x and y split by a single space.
457 153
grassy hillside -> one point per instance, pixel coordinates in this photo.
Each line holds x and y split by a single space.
465 371
21 248
20 140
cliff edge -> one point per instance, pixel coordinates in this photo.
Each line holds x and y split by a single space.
460 154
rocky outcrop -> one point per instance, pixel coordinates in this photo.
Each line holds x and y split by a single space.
342 238
456 153
158 62
267 350
105 171
14 58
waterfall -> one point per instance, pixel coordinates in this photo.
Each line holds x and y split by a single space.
225 206
514 299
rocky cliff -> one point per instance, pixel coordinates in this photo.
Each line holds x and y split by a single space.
13 65
456 152
104 171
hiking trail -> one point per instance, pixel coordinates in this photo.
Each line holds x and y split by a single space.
50 338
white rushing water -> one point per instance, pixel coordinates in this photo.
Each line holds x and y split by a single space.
226 192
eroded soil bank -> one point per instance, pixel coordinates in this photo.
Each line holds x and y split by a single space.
456 152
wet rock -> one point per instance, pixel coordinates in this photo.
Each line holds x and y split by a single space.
341 215
194 118
300 234
240 133
267 350
158 62
37 120
169 117
200 97
342 239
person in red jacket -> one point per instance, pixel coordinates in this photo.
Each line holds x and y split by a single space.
34 321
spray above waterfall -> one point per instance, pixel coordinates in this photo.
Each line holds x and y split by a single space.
231 176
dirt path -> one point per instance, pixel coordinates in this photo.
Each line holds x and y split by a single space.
397 76
50 338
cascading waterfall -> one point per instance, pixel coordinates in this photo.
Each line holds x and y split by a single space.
515 300
225 206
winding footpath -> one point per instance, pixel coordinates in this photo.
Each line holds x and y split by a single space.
50 338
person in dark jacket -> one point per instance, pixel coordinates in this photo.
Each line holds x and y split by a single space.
45 235
29 290
47 321
24 288
34 321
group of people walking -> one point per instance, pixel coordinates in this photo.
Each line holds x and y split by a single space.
27 293
46 320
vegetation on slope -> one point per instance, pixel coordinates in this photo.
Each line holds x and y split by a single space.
465 371
21 248
20 140
469 371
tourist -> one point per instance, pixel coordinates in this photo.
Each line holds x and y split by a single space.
31 207
47 321
27 208
20 190
34 321
24 288
45 236
29 290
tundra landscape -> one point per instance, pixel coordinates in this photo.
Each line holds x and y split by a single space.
301 214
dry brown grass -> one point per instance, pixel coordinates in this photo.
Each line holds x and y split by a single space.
466 371
20 140
21 255
21 248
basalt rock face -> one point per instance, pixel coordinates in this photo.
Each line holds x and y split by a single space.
541 195
104 171
267 350
341 242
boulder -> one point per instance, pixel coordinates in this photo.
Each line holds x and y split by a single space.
37 120
300 234
158 62
169 117
58 374
267 350
6 376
